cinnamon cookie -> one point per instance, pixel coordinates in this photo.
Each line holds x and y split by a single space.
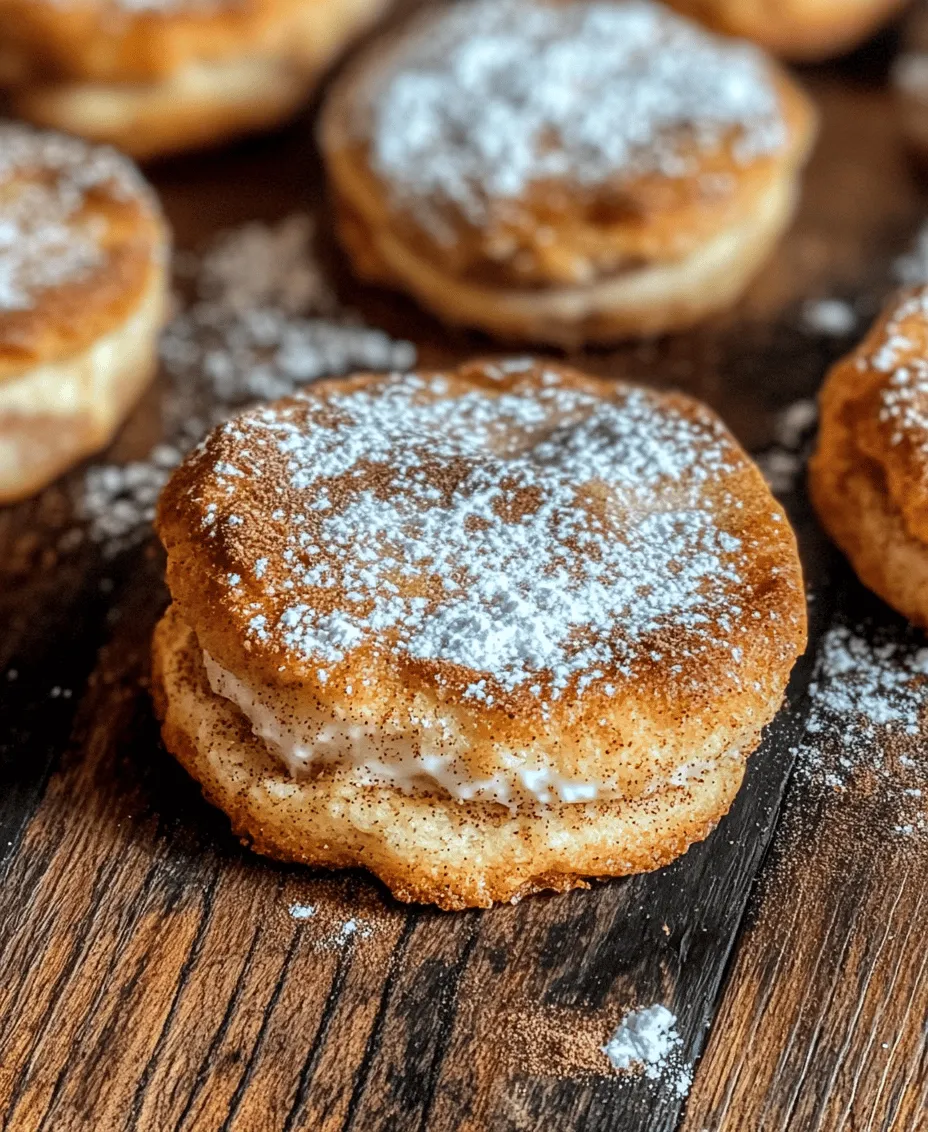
869 474
159 76
483 632
83 289
564 172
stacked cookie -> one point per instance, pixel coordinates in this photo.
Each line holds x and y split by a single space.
159 76
564 172
484 632
83 290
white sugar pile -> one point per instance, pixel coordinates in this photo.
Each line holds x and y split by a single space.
302 911
262 323
867 721
492 97
646 1041
116 500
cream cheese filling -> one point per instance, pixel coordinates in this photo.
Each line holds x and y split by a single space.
404 761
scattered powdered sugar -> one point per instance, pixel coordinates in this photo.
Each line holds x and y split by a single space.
795 423
115 500
910 74
867 720
262 322
780 468
264 354
491 97
782 463
344 933
647 1041
558 533
265 322
45 241
265 267
832 318
302 911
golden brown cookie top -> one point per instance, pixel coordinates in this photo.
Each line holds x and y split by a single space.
80 236
535 130
517 535
879 394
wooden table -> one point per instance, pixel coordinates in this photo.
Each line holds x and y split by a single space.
152 975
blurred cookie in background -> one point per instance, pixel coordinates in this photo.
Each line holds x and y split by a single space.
83 295
564 173
161 76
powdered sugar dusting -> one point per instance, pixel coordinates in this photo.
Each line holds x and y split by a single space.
831 318
262 322
904 394
344 933
647 1041
867 719
783 462
538 534
45 241
491 97
265 322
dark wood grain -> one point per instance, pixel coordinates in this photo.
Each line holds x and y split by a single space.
823 1022
823 1025
153 978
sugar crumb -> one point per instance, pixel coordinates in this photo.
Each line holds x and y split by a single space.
832 318
261 323
646 1041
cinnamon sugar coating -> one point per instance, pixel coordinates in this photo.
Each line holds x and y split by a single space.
510 586
83 295
81 240
121 41
160 76
869 474
524 146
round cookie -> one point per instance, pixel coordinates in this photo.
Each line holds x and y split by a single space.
869 474
802 30
563 172
482 632
162 76
83 295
